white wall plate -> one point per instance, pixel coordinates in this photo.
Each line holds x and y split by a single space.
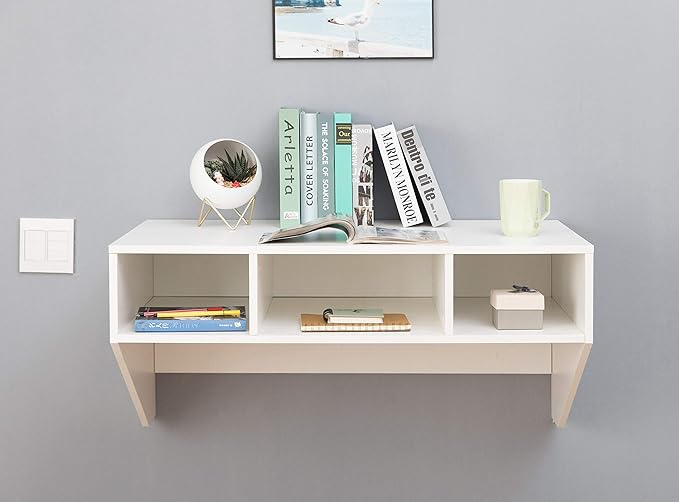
46 245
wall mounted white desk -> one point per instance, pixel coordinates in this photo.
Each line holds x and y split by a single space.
442 288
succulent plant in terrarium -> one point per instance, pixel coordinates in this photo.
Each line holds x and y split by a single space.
231 172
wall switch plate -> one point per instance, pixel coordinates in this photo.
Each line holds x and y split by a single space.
46 245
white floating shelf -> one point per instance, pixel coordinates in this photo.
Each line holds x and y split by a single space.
442 289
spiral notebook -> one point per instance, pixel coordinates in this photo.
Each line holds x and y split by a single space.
392 322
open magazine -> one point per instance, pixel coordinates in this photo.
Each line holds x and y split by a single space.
358 234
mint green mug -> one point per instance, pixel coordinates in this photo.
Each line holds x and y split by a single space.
520 212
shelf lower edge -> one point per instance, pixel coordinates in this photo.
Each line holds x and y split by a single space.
346 358
347 339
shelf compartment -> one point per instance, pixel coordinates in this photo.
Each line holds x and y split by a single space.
172 280
564 280
287 285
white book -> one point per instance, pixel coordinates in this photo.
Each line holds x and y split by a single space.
308 154
423 176
399 178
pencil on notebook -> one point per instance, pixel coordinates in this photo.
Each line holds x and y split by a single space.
210 311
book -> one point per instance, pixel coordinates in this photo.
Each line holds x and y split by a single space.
423 176
343 199
357 235
362 174
325 162
353 316
145 324
308 125
288 157
397 173
392 322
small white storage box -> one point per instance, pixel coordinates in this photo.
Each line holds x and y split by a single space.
517 309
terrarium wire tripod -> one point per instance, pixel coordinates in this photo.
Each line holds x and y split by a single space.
207 207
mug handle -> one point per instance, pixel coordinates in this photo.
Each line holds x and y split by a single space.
548 204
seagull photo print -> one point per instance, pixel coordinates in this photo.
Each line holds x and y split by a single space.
371 29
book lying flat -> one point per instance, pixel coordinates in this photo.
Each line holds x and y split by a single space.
199 323
316 322
358 235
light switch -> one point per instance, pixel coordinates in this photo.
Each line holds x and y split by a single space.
46 245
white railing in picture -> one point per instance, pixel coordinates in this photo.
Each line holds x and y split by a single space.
309 46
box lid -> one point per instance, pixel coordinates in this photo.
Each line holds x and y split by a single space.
509 299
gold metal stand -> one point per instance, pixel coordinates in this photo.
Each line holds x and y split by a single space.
250 206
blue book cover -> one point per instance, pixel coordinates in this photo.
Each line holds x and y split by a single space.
190 325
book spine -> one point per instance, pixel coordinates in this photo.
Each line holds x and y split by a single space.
288 130
308 192
362 174
423 176
325 160
399 179
189 325
343 196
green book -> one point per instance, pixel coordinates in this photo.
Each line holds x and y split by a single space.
343 185
288 158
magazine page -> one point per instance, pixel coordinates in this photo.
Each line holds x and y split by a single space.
331 221
380 235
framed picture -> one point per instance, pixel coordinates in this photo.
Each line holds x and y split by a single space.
353 29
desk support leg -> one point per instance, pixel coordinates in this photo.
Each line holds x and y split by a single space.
137 365
568 363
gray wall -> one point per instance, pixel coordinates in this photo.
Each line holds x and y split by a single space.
102 105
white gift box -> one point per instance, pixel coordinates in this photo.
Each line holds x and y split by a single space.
517 309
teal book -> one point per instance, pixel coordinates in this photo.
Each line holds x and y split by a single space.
325 164
343 186
288 158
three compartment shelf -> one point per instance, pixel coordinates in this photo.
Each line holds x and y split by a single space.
443 289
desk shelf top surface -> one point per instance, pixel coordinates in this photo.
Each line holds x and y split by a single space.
464 237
